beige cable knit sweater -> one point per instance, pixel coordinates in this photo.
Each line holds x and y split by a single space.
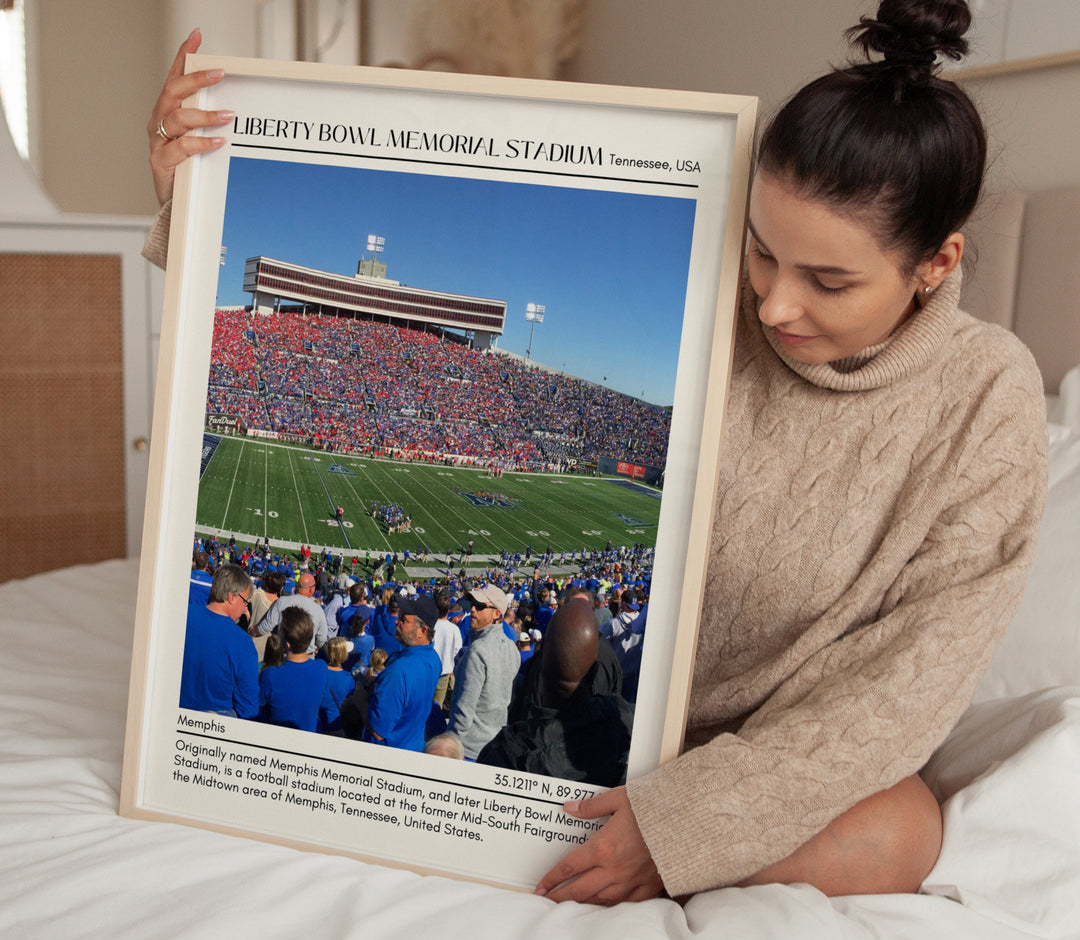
875 522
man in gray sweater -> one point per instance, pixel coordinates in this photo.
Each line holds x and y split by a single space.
484 673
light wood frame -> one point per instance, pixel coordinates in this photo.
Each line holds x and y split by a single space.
687 145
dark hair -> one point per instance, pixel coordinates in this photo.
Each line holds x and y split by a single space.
887 140
297 629
273 582
274 651
443 601
358 622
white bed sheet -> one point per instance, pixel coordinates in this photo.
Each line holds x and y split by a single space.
72 867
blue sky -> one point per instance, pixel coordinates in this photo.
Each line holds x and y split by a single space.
610 268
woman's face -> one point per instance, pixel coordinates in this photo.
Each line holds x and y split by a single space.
826 287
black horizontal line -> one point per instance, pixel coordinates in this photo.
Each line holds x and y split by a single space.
469 166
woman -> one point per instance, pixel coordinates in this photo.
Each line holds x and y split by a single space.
291 694
882 479
339 685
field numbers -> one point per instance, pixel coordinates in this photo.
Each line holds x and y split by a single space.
538 532
591 532
479 532
333 523
270 513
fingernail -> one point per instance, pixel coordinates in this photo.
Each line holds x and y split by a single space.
226 115
540 892
572 806
216 73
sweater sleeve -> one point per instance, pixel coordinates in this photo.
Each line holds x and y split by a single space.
867 710
156 249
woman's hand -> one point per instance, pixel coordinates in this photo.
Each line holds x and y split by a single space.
170 120
613 865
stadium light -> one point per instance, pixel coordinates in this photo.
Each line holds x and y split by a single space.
376 243
221 256
534 313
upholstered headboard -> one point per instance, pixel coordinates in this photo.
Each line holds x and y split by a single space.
1026 250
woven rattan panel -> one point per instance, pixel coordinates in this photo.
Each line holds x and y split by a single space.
61 412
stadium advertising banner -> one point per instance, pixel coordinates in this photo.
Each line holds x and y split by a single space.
408 315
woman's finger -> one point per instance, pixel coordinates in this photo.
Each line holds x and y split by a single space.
603 804
165 159
572 865
179 122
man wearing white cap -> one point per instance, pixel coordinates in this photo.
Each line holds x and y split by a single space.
484 674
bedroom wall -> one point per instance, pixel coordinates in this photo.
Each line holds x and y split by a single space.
101 65
98 73
770 47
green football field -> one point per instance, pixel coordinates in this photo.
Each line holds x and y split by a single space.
254 488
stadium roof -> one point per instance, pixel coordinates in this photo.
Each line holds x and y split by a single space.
294 283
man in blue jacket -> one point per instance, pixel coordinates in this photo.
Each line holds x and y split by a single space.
403 695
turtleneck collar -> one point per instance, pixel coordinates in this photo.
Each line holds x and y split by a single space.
909 350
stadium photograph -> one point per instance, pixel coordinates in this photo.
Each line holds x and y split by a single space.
432 387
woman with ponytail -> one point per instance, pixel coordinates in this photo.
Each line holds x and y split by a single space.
882 480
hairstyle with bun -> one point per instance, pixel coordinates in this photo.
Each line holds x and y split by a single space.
887 140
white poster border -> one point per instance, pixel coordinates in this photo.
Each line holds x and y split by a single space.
335 795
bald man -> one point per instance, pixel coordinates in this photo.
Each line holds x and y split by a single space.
570 732
305 599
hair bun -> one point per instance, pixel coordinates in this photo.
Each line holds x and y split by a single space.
913 33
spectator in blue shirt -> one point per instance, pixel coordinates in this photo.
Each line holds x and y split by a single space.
291 694
402 696
220 671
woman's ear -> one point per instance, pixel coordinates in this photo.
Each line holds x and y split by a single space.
944 261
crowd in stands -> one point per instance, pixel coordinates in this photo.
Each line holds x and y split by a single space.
281 638
383 389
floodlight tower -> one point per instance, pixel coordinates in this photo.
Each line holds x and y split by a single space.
222 257
368 265
534 313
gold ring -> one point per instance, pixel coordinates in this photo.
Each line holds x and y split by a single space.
162 134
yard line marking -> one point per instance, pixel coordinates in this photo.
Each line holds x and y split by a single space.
299 502
232 485
266 491
333 507
370 522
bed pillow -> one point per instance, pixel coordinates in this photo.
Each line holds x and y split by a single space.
1042 646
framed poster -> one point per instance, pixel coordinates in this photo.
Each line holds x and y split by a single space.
478 329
